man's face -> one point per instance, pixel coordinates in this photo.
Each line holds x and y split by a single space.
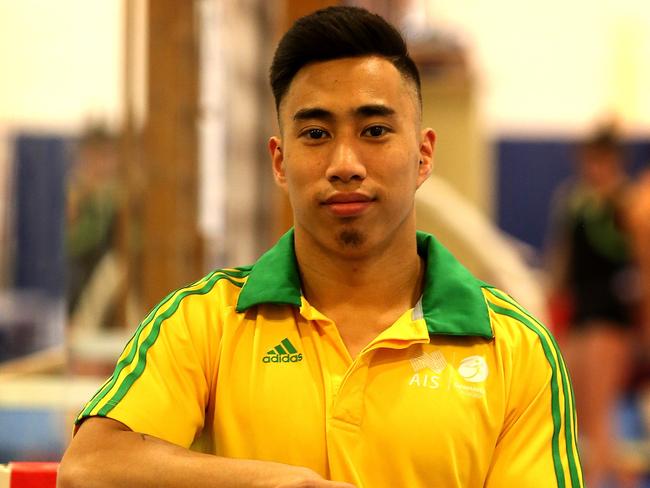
351 154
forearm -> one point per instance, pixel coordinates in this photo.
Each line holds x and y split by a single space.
128 459
131 459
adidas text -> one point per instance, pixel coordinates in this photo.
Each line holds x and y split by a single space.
284 358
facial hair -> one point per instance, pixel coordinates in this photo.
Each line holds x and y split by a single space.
351 238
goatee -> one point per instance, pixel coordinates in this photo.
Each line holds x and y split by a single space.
351 238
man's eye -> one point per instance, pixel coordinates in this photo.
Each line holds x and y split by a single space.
315 133
376 131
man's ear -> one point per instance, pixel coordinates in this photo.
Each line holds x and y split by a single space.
277 161
427 145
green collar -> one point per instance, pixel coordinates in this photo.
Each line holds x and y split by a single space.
452 300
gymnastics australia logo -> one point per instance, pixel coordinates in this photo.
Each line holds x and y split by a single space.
473 369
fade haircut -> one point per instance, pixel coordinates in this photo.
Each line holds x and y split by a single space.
335 33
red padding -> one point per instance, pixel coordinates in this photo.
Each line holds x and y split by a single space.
33 475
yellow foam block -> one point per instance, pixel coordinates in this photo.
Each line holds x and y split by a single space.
5 476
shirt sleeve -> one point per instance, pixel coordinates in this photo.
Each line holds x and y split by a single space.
161 383
537 445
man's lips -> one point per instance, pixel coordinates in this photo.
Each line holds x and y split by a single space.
348 204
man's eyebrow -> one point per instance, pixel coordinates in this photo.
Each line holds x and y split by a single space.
374 110
370 110
313 113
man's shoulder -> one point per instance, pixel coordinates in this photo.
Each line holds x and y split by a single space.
221 278
515 328
219 287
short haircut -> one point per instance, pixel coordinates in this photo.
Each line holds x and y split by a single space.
335 33
605 139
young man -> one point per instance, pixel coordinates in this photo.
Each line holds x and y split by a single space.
356 352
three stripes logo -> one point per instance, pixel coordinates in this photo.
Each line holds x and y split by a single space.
284 352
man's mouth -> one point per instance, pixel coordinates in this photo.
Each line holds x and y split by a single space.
348 204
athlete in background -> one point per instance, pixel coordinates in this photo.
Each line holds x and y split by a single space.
592 265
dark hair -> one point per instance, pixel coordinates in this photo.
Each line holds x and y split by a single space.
604 139
97 134
335 33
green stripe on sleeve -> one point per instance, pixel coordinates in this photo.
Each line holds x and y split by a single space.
124 362
241 272
569 402
151 339
555 402
569 406
133 343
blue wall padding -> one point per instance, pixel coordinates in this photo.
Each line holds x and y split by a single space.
40 172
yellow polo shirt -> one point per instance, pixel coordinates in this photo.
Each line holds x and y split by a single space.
464 390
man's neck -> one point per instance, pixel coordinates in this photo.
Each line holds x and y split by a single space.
390 276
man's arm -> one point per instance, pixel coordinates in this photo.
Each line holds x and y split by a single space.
537 445
536 449
105 453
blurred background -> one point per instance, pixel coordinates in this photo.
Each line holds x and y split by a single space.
133 160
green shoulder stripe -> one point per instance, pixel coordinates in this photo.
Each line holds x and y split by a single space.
557 368
126 360
240 272
139 350
151 339
565 376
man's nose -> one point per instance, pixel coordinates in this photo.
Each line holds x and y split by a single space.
345 164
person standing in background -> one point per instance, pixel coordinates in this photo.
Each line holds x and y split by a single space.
91 210
591 264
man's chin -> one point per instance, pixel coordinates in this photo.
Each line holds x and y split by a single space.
351 238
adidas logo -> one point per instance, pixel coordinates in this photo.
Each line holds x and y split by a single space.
283 353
